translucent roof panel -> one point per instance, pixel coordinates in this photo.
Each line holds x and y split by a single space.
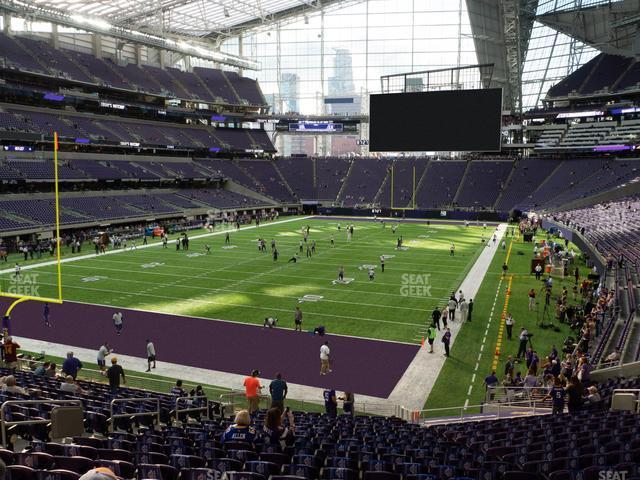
186 17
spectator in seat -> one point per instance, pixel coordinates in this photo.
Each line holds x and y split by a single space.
613 356
241 430
51 371
177 389
71 366
41 369
11 386
273 432
593 397
70 386
100 473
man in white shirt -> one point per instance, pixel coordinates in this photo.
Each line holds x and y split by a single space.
508 321
103 352
324 359
117 322
464 309
452 305
151 355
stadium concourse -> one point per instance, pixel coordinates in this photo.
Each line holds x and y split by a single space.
360 365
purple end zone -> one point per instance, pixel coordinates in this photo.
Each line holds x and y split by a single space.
366 367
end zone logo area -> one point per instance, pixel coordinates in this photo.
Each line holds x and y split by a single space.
310 298
344 281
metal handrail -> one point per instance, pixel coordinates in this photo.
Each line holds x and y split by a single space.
4 423
178 411
155 413
534 408
500 393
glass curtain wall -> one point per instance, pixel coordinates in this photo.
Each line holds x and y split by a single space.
343 51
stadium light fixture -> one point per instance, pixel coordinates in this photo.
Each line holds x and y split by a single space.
226 12
91 22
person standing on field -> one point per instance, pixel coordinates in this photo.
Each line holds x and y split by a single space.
446 340
325 353
431 336
151 355
117 322
435 316
298 320
508 322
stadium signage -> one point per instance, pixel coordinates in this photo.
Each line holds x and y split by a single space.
17 148
116 106
130 144
588 113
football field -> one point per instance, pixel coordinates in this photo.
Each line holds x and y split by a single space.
237 282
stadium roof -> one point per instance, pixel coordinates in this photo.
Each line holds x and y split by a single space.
184 17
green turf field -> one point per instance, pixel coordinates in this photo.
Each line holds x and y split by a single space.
457 376
244 285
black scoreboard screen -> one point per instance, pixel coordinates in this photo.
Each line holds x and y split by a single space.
453 121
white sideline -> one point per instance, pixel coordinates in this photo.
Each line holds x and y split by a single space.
176 371
413 389
150 245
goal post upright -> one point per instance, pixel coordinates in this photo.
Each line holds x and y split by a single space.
18 298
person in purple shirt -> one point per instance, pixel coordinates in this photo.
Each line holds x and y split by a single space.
71 365
534 362
446 340
557 396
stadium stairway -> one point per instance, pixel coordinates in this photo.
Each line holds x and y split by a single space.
345 181
505 184
284 180
385 183
462 182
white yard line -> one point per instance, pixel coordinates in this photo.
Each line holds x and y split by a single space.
411 391
142 247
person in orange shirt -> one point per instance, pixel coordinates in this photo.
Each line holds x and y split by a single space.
252 389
